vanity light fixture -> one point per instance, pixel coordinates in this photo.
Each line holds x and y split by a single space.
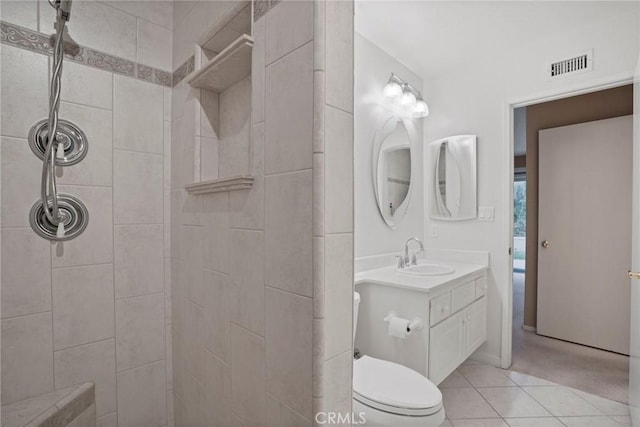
403 100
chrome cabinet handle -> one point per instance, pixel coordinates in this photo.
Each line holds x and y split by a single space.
546 244
634 275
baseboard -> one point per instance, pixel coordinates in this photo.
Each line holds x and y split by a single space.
487 358
529 328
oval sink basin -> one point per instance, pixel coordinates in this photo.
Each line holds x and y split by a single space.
427 270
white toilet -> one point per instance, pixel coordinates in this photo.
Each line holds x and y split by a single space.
392 395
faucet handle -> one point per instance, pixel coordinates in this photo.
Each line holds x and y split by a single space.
401 261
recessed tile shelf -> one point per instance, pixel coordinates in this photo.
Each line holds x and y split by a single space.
240 182
226 68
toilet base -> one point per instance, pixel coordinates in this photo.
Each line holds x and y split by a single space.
377 418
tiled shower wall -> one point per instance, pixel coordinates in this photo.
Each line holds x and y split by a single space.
262 278
94 308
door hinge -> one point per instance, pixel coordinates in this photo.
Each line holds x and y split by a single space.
509 251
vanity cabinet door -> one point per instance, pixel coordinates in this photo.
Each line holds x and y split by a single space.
446 347
476 325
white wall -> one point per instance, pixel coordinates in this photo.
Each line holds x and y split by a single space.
373 66
474 101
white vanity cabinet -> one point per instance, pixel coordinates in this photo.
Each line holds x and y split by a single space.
453 338
452 307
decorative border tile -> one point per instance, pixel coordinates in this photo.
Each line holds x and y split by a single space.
24 38
184 70
261 7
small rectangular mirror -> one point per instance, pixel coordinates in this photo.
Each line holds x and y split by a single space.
453 171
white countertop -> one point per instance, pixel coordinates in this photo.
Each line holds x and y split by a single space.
390 276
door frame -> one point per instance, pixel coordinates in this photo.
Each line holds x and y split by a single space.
508 140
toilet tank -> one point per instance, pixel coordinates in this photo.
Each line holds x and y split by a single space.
356 304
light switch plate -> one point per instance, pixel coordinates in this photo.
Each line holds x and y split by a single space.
486 213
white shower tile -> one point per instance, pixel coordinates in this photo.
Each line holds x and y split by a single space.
247 207
218 392
192 273
20 176
338 158
139 330
288 232
96 167
289 112
194 341
289 319
25 90
138 260
337 383
209 162
339 54
87 86
26 273
137 115
289 25
97 25
338 267
235 129
95 362
219 292
209 114
95 244
82 305
137 188
248 376
167 154
216 232
23 13
154 45
27 365
247 276
167 97
110 420
158 12
142 396
258 71
278 415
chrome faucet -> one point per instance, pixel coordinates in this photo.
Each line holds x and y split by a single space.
414 258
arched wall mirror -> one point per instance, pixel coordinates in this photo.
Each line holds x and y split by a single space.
453 171
392 169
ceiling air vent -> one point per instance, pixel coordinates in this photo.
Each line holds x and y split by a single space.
572 65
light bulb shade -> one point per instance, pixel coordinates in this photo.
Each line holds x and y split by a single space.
391 91
421 110
408 99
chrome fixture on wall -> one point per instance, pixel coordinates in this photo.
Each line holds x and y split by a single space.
403 100
57 216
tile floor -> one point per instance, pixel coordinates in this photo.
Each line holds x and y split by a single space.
477 395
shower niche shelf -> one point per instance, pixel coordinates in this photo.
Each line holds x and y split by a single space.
225 69
240 182
222 77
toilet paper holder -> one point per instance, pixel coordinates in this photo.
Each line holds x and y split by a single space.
415 325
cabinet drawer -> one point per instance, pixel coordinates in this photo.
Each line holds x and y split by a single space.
463 296
440 308
481 286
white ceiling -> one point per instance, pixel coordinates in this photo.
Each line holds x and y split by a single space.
433 37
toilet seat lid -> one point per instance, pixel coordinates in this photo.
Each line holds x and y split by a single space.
394 385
